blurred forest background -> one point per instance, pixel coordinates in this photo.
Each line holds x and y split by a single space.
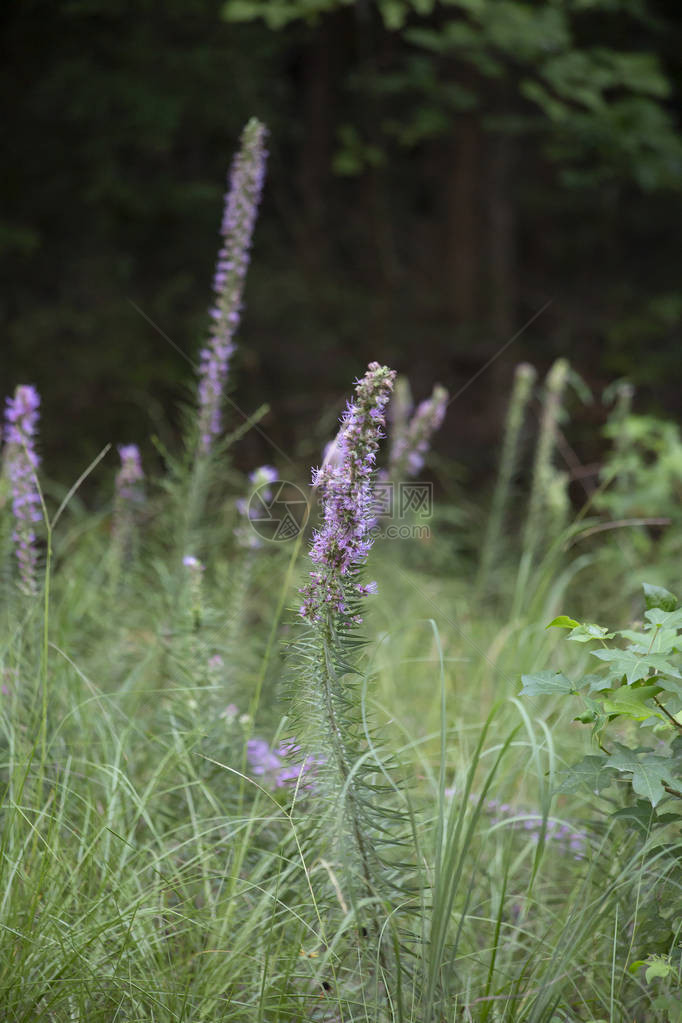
438 173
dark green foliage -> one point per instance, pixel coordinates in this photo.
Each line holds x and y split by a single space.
440 172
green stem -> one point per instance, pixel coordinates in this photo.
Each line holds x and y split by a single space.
335 734
667 713
44 674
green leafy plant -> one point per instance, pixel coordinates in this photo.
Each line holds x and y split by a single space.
645 467
662 976
633 703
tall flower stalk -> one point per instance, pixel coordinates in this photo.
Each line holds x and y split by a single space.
21 419
241 206
544 474
524 379
411 443
129 494
327 681
129 480
399 411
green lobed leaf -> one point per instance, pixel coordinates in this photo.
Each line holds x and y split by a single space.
592 772
658 596
546 683
664 619
635 666
589 631
669 685
632 703
649 772
658 967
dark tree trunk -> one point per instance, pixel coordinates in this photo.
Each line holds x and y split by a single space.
316 145
463 222
501 240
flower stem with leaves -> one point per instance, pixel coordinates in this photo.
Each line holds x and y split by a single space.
239 218
328 682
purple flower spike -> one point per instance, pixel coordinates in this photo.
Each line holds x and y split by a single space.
129 496
408 451
241 204
129 477
21 417
345 486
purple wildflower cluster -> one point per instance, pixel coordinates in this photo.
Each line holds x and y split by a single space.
21 417
411 444
129 477
241 205
345 485
284 766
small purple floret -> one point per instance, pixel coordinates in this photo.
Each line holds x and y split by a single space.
192 563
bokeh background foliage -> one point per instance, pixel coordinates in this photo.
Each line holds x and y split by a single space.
438 172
